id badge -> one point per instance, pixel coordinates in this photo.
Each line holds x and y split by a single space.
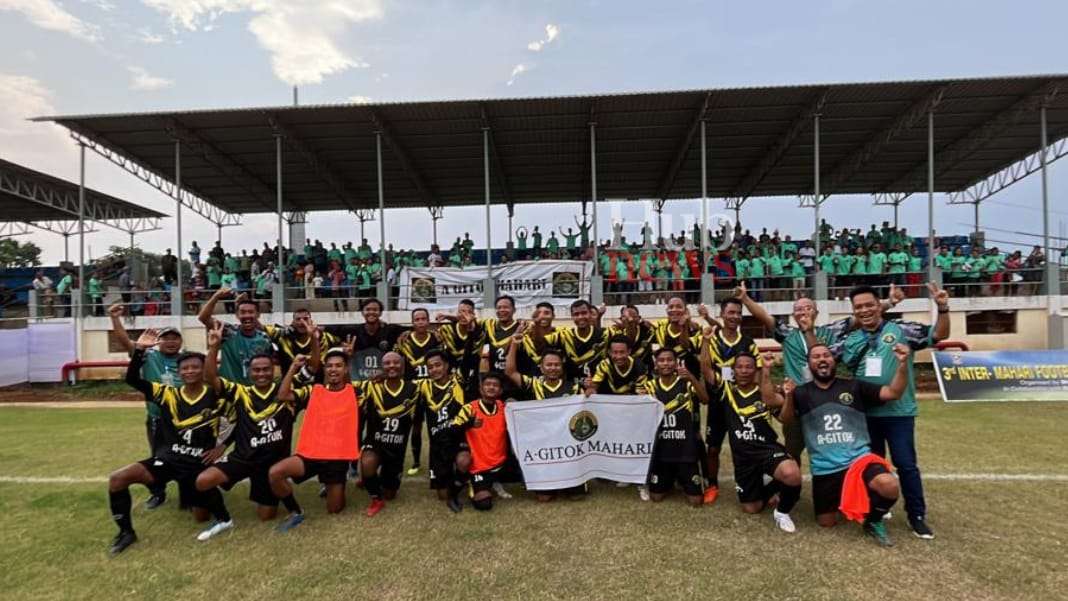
873 367
727 373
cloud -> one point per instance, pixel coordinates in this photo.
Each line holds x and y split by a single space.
38 145
143 81
146 36
517 71
46 14
360 99
300 35
551 32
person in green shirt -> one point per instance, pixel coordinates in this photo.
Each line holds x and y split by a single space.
350 253
877 260
741 267
553 244
334 254
994 271
240 342
898 261
228 279
974 265
63 292
662 272
757 271
844 264
860 267
788 246
230 262
96 295
827 261
364 251
958 273
776 271
915 264
571 238
868 352
944 261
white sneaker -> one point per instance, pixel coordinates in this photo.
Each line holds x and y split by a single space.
887 516
215 529
643 493
783 521
499 489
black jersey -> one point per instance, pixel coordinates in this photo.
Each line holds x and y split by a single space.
414 352
725 351
388 413
440 403
538 389
748 423
287 340
609 379
498 337
454 340
263 428
686 342
188 425
582 351
639 340
677 436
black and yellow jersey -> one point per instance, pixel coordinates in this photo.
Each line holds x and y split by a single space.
454 339
414 350
609 379
686 342
639 340
582 351
388 411
748 422
528 355
677 435
724 350
440 403
287 340
538 389
263 428
498 337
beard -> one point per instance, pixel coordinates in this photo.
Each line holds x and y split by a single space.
822 379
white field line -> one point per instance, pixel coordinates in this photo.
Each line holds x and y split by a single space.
953 477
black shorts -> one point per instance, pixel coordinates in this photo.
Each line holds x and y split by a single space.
184 474
390 466
749 473
827 488
484 481
330 471
663 476
443 463
237 470
715 425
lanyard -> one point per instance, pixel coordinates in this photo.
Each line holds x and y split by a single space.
873 338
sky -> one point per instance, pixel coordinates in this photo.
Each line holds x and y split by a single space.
99 56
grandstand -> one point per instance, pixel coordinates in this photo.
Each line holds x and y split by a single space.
965 138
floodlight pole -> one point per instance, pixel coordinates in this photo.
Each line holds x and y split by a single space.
281 267
1051 281
384 283
708 292
816 181
176 289
930 197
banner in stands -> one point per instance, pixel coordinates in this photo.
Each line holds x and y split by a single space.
564 442
529 282
1002 375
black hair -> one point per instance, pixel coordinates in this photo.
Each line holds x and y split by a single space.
664 349
302 310
364 304
186 355
262 355
418 309
336 352
436 353
468 302
855 292
816 346
580 304
496 375
553 351
625 307
543 305
618 339
510 300
745 354
248 301
730 301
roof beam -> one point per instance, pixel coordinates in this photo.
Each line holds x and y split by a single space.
966 145
157 180
405 160
849 166
322 168
672 172
10 229
495 157
992 184
63 201
263 192
63 228
752 179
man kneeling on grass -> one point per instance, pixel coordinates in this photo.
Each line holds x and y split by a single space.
483 424
189 425
846 475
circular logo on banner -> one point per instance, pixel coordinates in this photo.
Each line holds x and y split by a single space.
565 283
423 291
583 425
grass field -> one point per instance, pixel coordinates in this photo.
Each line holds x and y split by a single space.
996 539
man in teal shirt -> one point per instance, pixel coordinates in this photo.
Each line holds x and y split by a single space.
869 352
96 295
240 342
63 289
899 263
877 260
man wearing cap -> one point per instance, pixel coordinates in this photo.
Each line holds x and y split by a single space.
160 367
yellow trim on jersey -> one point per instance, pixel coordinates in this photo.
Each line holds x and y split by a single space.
748 412
427 387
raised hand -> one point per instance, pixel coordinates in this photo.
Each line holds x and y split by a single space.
788 387
299 362
148 339
702 310
440 316
804 321
739 291
901 352
769 359
896 294
349 345
520 329
223 291
683 372
116 310
215 335
940 296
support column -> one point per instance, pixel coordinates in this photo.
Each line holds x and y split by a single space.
930 197
708 290
977 219
896 205
176 289
281 267
596 280
383 285
66 248
1052 274
816 199
218 236
81 250
489 288
511 216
